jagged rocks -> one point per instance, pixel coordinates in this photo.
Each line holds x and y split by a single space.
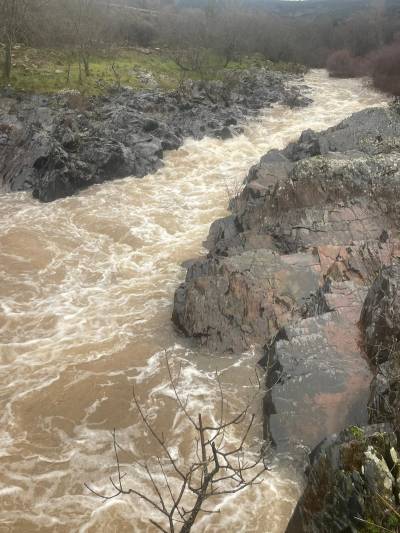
381 327
381 314
336 190
333 197
350 478
357 475
58 145
317 365
336 186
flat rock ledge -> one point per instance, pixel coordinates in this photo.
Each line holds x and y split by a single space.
54 146
306 271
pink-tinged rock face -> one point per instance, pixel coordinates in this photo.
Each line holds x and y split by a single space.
324 378
238 301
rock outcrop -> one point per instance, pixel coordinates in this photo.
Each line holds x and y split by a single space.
353 482
380 321
306 270
332 196
235 301
381 315
57 145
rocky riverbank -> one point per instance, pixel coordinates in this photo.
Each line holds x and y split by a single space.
56 145
305 269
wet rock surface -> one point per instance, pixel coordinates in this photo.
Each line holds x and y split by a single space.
233 302
381 314
318 374
56 145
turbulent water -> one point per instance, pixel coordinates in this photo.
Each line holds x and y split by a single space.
86 288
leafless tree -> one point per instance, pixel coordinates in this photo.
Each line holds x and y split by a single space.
12 20
86 21
216 468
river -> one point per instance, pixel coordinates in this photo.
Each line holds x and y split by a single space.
86 287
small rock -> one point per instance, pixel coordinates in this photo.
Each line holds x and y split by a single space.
150 124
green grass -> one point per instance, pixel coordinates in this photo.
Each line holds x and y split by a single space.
46 71
357 432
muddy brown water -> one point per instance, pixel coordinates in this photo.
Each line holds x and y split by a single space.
87 285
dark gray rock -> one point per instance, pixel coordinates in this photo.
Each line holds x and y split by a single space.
380 316
150 124
58 145
299 201
291 268
348 477
225 133
381 326
316 366
334 187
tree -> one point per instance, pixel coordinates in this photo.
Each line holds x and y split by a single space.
86 20
216 468
13 14
385 69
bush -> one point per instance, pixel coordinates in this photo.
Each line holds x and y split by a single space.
143 33
385 69
341 64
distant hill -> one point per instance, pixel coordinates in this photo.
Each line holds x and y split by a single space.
297 8
292 8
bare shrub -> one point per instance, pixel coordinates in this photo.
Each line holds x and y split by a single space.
180 489
341 64
385 66
143 33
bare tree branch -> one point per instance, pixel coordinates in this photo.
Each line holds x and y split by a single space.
217 469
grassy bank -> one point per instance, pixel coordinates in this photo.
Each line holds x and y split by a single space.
50 71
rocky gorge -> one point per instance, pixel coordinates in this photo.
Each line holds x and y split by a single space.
87 291
305 270
57 145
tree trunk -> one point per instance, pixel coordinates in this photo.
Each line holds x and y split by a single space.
85 60
207 478
7 60
187 526
80 70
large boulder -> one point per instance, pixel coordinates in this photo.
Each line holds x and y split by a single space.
317 364
243 298
234 302
331 199
335 187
